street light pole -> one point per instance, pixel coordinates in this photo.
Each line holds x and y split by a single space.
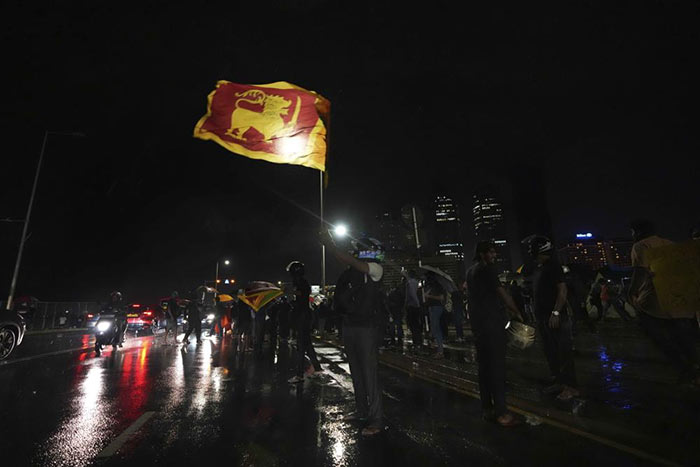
22 241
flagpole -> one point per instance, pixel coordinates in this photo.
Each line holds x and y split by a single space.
323 247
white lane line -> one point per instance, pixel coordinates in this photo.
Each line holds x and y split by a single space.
34 357
121 439
59 352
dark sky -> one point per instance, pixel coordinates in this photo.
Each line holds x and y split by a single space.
601 95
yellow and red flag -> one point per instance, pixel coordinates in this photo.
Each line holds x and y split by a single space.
257 294
277 122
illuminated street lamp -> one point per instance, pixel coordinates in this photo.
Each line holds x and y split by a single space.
216 280
340 230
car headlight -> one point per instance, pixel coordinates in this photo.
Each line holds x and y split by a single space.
210 316
103 325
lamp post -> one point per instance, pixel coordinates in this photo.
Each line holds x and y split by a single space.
23 239
216 280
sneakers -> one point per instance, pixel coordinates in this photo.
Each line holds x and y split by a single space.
295 380
553 389
568 393
507 420
371 430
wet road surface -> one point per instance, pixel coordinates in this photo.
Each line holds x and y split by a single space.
183 405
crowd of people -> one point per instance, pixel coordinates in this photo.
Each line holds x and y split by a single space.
367 318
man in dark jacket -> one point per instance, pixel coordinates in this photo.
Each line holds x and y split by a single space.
488 320
359 293
301 316
194 318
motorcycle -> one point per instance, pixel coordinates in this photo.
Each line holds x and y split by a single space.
107 332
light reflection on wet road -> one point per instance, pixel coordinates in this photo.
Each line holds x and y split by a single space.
213 403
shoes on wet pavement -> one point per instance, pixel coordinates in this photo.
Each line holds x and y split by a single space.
295 380
508 420
568 393
553 389
371 430
355 417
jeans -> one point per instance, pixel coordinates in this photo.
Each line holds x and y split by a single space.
558 348
435 314
459 322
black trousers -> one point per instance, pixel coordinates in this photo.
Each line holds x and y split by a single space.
361 347
304 344
283 320
414 318
194 325
558 348
491 356
675 338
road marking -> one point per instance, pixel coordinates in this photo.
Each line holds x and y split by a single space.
115 445
59 352
34 357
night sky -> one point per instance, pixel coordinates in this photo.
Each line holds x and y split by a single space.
601 96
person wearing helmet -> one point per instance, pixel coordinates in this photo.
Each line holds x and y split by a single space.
358 291
301 316
552 315
486 294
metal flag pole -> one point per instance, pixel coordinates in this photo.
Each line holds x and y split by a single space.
323 247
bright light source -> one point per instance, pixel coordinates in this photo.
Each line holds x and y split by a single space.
227 262
292 146
218 281
226 281
210 316
341 230
103 326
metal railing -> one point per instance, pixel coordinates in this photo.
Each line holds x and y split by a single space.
59 315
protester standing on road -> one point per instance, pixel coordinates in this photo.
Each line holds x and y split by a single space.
459 298
359 290
171 313
553 319
488 322
301 317
194 319
674 335
413 310
395 301
434 300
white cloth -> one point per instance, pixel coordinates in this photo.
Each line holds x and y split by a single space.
376 271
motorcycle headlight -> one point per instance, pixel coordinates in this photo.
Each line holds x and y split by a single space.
103 326
210 316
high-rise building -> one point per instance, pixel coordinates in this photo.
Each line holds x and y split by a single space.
490 224
597 253
448 228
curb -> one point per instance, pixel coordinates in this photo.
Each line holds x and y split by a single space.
601 432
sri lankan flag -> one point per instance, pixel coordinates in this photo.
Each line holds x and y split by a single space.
277 122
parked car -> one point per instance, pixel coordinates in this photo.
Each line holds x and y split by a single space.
12 329
26 307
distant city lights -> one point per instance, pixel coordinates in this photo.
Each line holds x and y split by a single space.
584 235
